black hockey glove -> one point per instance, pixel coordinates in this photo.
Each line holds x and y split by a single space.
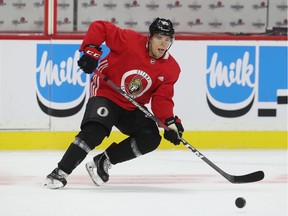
89 61
174 123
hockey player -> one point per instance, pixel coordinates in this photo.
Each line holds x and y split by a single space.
143 67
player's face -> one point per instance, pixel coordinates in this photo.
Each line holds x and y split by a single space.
158 44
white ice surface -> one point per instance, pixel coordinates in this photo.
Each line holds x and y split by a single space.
162 183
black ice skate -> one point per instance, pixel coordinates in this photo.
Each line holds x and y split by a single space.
98 169
56 179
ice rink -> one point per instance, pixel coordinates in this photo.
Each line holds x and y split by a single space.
162 183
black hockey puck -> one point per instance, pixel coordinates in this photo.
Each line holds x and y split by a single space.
240 202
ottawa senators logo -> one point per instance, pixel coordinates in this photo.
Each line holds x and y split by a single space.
136 82
135 86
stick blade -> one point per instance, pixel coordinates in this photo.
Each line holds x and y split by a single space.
249 178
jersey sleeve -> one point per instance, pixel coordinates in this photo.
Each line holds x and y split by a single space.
104 31
162 103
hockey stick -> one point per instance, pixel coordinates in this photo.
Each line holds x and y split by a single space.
251 177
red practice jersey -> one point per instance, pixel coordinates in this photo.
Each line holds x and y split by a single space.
129 66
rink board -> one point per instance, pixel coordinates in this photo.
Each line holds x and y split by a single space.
245 108
198 139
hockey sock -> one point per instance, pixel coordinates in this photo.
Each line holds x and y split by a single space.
121 152
72 158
